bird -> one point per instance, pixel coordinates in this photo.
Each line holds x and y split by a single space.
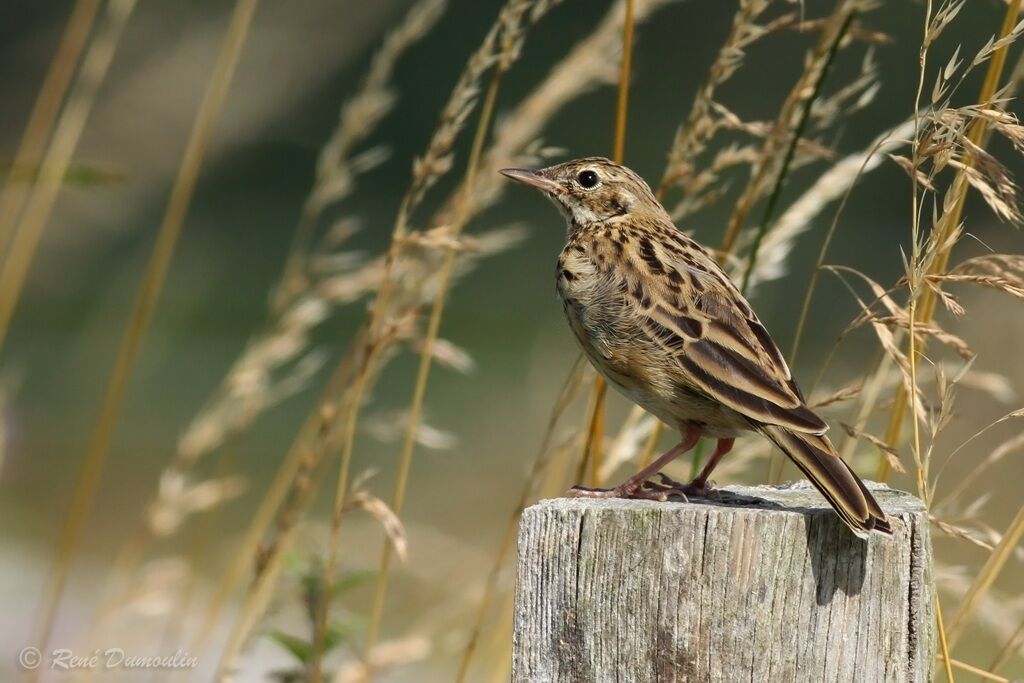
659 318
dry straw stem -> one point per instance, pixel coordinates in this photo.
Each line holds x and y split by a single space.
44 113
1013 645
249 549
246 392
791 146
500 46
39 204
772 154
145 303
567 395
969 668
586 66
701 124
510 29
835 183
358 118
303 298
947 230
949 223
595 431
986 577
55 163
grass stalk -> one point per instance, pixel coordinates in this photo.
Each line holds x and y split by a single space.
950 220
269 504
426 360
540 463
44 113
595 431
55 163
622 102
920 465
594 443
652 443
794 140
294 493
920 462
783 123
773 198
944 646
37 211
983 582
334 544
969 668
145 303
1013 645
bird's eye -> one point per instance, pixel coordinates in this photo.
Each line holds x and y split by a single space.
588 179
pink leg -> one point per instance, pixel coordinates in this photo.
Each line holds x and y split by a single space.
632 486
724 446
699 485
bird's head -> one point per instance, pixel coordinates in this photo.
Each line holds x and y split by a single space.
591 190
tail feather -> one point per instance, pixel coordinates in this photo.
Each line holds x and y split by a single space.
841 487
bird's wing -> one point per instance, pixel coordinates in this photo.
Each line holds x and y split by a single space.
720 347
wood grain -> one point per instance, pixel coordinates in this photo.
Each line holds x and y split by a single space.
763 584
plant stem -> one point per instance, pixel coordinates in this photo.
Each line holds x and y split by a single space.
622 104
592 446
44 113
1002 553
146 297
948 223
55 163
426 359
537 468
794 141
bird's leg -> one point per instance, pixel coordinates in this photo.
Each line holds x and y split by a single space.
632 487
724 446
699 485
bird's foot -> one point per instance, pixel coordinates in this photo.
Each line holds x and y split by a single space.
588 492
694 489
646 490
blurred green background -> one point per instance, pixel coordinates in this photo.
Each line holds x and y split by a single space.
302 59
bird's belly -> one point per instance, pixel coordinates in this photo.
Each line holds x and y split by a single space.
640 372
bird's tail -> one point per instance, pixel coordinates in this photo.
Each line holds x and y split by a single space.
842 488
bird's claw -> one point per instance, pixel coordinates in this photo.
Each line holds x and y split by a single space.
705 490
647 490
587 492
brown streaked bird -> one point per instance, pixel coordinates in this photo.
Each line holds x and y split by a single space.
664 324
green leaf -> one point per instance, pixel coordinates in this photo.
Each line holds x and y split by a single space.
351 580
300 649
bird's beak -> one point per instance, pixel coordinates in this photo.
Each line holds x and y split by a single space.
528 176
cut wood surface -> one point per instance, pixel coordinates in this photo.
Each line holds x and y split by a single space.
762 584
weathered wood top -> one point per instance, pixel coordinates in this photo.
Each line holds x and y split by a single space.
763 583
798 497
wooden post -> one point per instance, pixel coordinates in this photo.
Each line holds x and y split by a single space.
763 584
